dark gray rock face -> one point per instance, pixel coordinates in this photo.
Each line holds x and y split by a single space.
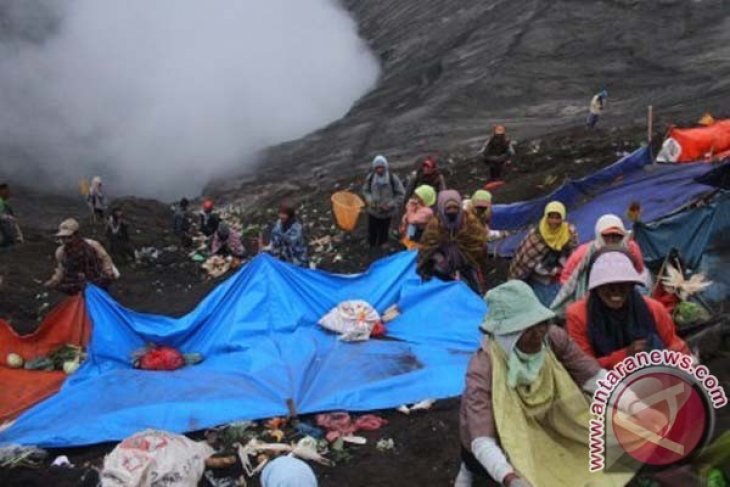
453 68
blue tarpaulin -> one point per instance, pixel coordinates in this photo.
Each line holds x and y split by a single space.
262 346
702 237
660 189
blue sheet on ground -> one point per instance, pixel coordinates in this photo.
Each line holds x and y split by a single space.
262 345
701 235
660 189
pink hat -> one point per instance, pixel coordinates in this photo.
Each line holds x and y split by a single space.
613 267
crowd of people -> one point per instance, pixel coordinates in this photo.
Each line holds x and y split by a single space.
526 383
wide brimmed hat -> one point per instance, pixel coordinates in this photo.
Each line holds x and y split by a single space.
611 268
513 307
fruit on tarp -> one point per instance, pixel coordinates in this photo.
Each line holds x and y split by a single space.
193 358
14 361
154 357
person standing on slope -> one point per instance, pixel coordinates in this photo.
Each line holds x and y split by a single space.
384 194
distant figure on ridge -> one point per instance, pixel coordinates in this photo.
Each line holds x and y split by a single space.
96 200
596 108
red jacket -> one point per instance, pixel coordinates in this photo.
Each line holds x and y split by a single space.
577 323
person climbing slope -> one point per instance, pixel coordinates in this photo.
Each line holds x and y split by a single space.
596 108
384 194
540 257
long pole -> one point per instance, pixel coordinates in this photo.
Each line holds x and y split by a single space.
649 123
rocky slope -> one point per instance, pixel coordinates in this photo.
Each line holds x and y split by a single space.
451 69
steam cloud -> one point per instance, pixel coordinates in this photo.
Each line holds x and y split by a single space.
159 96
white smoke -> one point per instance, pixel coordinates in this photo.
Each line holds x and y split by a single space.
159 96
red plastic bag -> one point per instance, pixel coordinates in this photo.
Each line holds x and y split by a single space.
160 358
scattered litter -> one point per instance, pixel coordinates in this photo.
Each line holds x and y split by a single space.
385 444
170 459
355 440
391 313
308 430
419 406
12 456
216 266
341 424
61 461
224 481
146 255
353 320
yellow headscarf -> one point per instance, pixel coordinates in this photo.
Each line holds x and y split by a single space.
555 239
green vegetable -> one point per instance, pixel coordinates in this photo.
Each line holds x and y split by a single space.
689 313
39 363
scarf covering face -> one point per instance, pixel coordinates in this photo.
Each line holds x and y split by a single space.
462 244
555 239
522 368
446 197
610 330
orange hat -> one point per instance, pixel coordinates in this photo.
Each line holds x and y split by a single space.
499 130
208 204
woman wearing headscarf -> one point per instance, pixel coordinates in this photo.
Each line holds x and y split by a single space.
287 238
454 245
383 192
418 214
610 232
427 173
614 321
540 257
524 388
227 242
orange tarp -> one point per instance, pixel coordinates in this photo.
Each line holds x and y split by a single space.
703 142
19 388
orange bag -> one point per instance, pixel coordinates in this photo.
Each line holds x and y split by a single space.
700 143
21 389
